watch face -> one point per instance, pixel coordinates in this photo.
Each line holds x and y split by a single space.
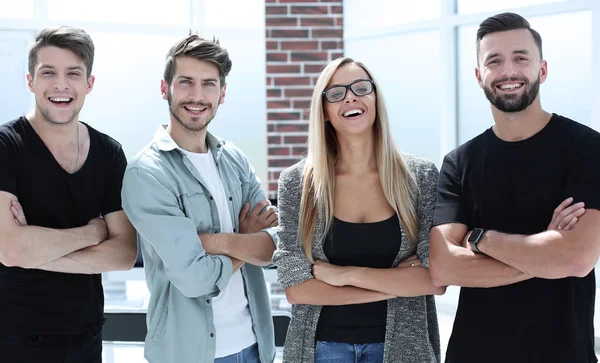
475 235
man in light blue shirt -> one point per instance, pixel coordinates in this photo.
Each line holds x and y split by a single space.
204 222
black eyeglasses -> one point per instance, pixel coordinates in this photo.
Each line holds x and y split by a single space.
361 87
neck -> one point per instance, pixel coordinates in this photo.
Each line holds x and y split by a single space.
53 133
516 126
357 154
192 141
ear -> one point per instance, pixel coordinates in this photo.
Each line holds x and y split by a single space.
90 83
164 89
478 76
223 91
543 72
30 82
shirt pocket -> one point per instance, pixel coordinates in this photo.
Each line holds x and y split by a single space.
197 207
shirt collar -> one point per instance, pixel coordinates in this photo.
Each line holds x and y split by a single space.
165 142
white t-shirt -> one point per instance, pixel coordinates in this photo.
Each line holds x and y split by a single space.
231 315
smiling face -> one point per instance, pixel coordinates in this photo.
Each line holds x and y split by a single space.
195 93
510 71
352 114
60 85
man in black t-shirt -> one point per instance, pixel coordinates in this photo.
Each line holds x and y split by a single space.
528 288
61 221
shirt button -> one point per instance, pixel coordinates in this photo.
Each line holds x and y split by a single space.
208 301
211 197
216 231
230 198
212 335
234 229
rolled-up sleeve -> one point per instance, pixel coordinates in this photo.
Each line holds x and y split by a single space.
427 181
293 267
154 210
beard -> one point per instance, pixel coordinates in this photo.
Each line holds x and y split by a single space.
513 102
177 113
51 119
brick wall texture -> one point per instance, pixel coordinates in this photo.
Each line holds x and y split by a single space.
302 37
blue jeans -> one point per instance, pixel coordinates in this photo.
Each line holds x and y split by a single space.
334 352
248 355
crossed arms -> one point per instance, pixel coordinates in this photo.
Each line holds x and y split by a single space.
104 244
571 250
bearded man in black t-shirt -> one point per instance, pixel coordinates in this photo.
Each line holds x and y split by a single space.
61 221
528 288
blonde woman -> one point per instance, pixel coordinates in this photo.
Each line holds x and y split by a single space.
354 233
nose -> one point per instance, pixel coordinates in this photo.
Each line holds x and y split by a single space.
350 96
60 83
196 94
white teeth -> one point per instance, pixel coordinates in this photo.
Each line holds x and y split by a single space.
354 112
510 86
194 109
59 99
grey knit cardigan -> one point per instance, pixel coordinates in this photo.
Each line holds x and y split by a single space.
412 334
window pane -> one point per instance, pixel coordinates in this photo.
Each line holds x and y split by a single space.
360 15
15 98
247 14
174 12
478 6
22 9
126 101
409 75
568 88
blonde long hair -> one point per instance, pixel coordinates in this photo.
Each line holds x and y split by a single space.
399 186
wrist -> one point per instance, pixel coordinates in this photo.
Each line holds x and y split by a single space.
349 275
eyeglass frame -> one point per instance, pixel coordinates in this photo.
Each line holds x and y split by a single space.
349 87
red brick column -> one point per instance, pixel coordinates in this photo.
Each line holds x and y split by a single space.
302 37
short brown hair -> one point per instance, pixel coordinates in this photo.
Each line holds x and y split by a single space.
503 22
202 49
74 39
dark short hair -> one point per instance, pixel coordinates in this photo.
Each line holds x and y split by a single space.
504 22
202 49
64 37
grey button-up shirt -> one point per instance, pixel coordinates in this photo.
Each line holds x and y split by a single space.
165 198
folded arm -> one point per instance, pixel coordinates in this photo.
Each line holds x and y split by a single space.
117 253
153 209
32 246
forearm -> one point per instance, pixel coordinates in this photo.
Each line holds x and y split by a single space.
253 248
546 255
402 281
36 246
114 254
315 292
465 268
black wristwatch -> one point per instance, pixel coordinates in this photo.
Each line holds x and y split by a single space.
474 239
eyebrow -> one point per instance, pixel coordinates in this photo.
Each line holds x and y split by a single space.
72 68
202 79
518 51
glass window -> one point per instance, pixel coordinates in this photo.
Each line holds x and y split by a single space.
15 98
174 12
22 9
408 70
247 14
568 87
360 15
478 6
126 101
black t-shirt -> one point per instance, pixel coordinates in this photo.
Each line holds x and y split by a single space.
366 245
514 187
34 301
